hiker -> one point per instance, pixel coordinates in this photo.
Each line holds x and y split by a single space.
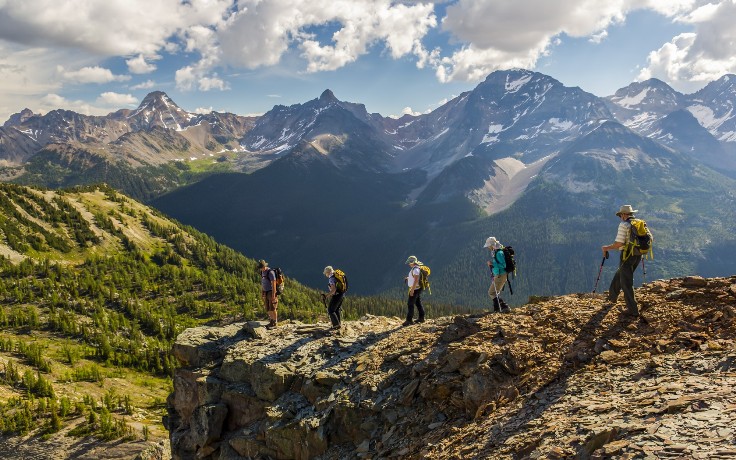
624 277
415 292
269 293
336 294
497 265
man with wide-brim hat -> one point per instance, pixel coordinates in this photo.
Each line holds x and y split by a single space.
623 280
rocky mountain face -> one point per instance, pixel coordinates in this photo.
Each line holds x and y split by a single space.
127 143
560 377
653 109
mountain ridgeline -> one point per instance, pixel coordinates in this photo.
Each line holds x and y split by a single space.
541 166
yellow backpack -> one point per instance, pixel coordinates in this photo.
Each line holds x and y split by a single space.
640 240
341 281
424 272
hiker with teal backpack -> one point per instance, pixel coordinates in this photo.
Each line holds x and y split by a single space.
416 281
634 241
337 285
497 264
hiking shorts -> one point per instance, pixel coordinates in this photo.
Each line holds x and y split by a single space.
269 301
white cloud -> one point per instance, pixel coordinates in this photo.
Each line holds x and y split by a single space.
691 59
262 32
496 35
53 101
111 27
94 74
203 110
116 99
139 65
148 84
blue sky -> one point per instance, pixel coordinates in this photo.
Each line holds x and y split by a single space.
393 56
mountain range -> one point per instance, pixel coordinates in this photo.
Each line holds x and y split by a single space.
539 165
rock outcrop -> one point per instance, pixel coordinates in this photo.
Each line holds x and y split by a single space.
563 377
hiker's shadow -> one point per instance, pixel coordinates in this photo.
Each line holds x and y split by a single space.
585 347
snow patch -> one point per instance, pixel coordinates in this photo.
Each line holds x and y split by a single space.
513 86
560 125
708 119
492 129
632 101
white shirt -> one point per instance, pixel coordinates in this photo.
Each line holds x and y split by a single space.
624 229
413 274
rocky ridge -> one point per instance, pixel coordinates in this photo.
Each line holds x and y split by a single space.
563 377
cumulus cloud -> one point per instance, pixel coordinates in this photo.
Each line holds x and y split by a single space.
94 74
272 27
148 84
111 28
140 65
53 101
116 99
691 59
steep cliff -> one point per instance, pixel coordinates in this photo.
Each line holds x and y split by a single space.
564 377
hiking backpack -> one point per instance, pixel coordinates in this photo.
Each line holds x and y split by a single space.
509 257
424 272
341 281
279 275
640 239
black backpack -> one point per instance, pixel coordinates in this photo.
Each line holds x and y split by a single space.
508 255
279 275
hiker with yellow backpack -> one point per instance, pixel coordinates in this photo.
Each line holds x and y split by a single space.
634 240
337 285
416 281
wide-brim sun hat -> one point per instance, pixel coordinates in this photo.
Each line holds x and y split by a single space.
262 263
412 260
626 209
491 242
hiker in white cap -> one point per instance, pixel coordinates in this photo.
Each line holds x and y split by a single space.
497 265
336 287
623 280
415 292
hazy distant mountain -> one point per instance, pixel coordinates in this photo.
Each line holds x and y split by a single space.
653 109
142 142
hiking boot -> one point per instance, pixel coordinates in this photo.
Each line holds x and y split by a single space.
420 320
504 308
271 324
496 306
408 322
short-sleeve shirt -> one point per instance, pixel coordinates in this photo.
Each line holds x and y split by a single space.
331 282
413 274
266 280
499 262
624 230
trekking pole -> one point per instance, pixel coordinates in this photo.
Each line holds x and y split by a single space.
600 270
508 281
493 282
644 269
